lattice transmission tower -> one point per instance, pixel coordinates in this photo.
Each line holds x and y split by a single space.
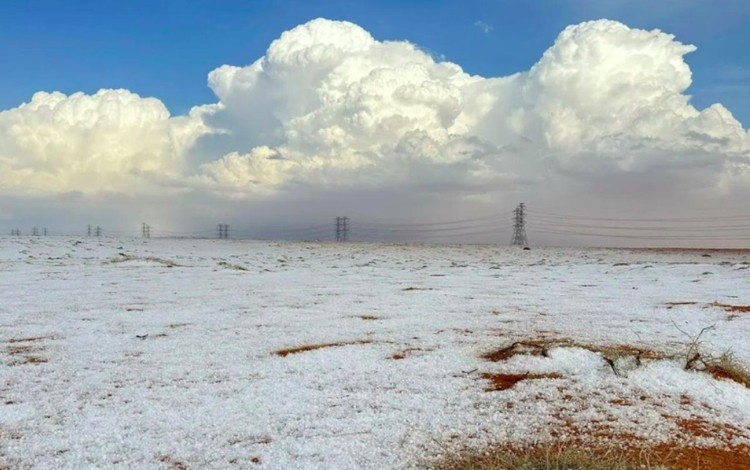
519 226
223 231
342 229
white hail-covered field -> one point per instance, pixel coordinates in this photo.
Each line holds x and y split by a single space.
163 353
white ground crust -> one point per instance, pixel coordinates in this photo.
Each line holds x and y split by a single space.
160 353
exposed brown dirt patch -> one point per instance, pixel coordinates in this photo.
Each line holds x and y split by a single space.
735 310
732 308
410 289
671 305
697 458
25 351
678 454
32 360
508 381
696 427
29 340
314 347
20 349
586 445
620 402
405 353
699 427
369 317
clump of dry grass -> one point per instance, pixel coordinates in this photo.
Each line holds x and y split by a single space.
578 456
549 457
727 367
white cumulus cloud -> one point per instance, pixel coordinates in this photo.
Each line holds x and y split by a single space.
338 107
330 107
108 141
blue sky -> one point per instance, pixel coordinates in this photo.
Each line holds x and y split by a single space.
165 48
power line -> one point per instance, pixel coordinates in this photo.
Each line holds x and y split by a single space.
713 228
369 235
639 237
655 220
364 222
426 230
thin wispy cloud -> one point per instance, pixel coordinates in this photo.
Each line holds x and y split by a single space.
484 27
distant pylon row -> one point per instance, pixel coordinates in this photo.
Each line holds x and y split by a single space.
93 231
342 230
35 232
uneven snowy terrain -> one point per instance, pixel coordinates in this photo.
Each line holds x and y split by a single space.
214 354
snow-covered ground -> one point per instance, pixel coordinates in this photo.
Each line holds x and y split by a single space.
163 353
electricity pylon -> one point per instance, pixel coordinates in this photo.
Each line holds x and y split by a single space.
519 226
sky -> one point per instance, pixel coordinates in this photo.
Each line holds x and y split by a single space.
291 113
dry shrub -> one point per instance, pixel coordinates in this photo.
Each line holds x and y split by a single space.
724 366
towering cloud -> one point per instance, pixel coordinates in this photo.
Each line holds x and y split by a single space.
328 106
111 141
